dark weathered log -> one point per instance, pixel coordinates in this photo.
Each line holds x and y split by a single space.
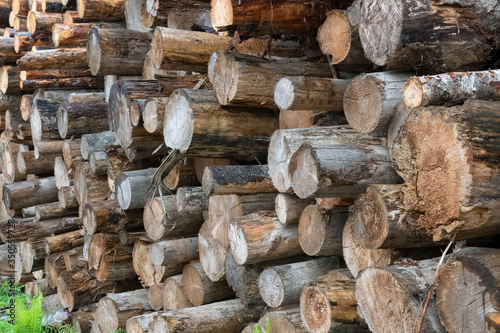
107 216
449 87
282 285
41 22
32 255
215 131
28 164
247 80
116 51
9 101
174 295
8 52
149 274
75 35
56 58
55 6
320 231
419 36
289 208
63 242
451 177
30 193
82 117
191 199
81 320
190 18
236 179
43 120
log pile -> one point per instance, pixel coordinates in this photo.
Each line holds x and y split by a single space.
208 166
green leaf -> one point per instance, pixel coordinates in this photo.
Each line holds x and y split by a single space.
256 329
268 325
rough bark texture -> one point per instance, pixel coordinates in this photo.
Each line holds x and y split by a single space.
237 179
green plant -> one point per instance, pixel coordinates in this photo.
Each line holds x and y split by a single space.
256 328
9 291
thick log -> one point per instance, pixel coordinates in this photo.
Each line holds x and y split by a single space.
448 87
328 301
381 93
96 142
173 294
418 36
226 316
30 193
8 52
175 49
28 164
320 231
108 11
200 289
107 216
237 179
131 188
284 143
390 298
75 35
9 80
82 117
67 197
114 310
41 22
453 183
149 274
282 285
89 188
262 18
9 158
472 308
116 51
289 208
56 58
53 210
223 208
248 80
310 93
214 127
43 120
107 248
63 242
152 116
212 254
277 241
174 253
162 219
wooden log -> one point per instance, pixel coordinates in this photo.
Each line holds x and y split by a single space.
131 188
20 7
182 174
200 289
64 83
116 51
174 295
152 116
47 147
54 6
289 208
390 298
460 310
114 310
155 297
9 101
67 197
278 241
175 49
71 152
309 118
20 23
227 316
63 242
8 52
174 253
13 120
32 228
320 232
285 320
389 35
43 120
284 143
212 254
448 87
9 166
107 248
162 219
140 323
207 116
30 193
89 188
56 58
129 238
282 285
236 179
149 274
190 18
329 300
52 210
41 22
310 93
223 208
191 199
116 271
454 184
32 254
342 171
77 118
63 175
38 287
96 142
81 320
262 18
381 93
107 216
201 163
250 81
9 80
98 10
75 35
28 164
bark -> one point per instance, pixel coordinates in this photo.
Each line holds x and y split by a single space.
32 254
247 80
75 35
41 22
27 164
174 253
194 18
89 188
71 152
289 208
174 295
116 51
235 179
67 197
107 216
63 83
107 248
78 118
342 171
284 143
149 274
56 58
30 193
52 210
114 271
9 80
81 320
195 120
8 52
43 120
200 289
456 180
63 242
110 10
320 231
191 199
282 285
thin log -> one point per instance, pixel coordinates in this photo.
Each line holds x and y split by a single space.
108 11
53 210
236 179
96 142
77 118
28 164
289 208
56 58
174 295
63 242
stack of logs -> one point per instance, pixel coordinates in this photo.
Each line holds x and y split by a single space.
302 172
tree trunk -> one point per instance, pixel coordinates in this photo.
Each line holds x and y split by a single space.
467 293
454 184
380 93
342 171
284 143
107 248
175 49
289 208
53 210
63 242
30 193
257 18
116 51
274 240
41 22
56 58
174 253
449 87
282 285
418 36
131 188
310 93
247 80
107 216
149 274
43 120
96 142
109 10
212 253
216 131
77 118
320 231
28 164
237 179
200 289
174 294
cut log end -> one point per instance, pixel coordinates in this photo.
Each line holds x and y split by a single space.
315 310
191 277
107 315
305 172
4 79
179 128
273 293
284 94
221 14
334 36
413 93
311 230
150 116
93 52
